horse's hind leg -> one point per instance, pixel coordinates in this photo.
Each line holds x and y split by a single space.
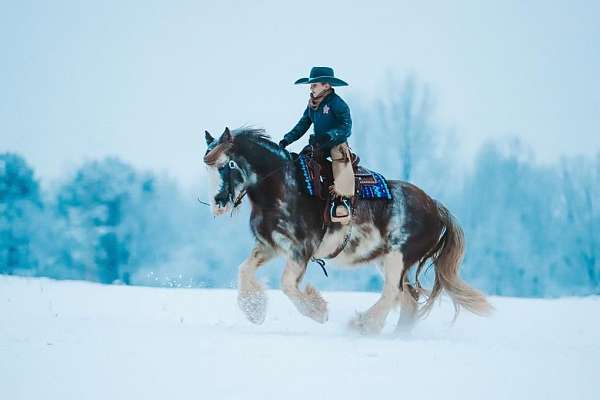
251 294
409 306
309 303
373 320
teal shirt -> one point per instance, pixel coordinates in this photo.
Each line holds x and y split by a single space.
331 121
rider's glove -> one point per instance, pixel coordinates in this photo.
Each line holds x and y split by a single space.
324 139
283 143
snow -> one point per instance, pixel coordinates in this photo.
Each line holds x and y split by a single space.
78 340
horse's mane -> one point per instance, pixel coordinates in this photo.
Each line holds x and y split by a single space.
258 133
259 136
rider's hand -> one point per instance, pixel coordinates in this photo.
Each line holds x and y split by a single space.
283 143
323 139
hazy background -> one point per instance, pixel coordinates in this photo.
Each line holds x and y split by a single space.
103 108
142 80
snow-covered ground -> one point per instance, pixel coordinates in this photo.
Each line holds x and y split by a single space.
76 340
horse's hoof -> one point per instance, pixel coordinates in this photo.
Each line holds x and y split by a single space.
254 305
315 306
321 318
365 325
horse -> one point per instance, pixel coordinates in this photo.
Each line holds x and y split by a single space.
398 235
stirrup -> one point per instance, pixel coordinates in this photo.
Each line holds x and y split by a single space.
344 219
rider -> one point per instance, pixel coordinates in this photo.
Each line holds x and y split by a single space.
332 126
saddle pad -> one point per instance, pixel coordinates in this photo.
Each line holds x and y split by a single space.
370 185
373 186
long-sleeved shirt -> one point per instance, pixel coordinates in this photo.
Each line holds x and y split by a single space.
331 120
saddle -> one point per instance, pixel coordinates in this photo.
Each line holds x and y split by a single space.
318 176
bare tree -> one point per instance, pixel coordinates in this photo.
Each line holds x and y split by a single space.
396 134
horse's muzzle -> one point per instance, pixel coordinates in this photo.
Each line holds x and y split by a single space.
218 209
221 204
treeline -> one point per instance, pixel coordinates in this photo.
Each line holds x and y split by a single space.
109 223
530 228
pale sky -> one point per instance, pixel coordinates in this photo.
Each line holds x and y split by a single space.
143 80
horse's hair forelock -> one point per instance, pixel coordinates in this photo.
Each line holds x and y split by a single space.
213 155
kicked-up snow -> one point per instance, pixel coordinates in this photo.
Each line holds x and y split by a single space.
77 340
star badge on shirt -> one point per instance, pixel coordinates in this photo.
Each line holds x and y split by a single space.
326 109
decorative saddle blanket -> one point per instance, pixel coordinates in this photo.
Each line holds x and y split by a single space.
370 185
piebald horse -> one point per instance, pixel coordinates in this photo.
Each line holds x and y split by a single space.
397 235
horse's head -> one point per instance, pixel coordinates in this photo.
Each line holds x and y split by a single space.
227 172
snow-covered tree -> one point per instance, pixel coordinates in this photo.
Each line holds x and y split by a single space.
397 134
115 220
20 205
580 218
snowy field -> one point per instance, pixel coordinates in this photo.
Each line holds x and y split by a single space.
76 340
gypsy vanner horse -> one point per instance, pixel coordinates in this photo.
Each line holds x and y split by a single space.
397 235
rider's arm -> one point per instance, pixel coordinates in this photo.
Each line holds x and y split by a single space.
343 129
300 128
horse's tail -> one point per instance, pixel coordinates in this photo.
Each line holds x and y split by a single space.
446 257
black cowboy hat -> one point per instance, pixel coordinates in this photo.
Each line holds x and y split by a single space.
322 74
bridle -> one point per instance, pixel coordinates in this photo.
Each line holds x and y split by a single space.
238 200
210 158
232 165
244 192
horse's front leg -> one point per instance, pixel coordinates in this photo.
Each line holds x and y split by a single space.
309 303
251 294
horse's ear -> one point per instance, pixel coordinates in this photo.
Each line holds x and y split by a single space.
208 137
226 136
